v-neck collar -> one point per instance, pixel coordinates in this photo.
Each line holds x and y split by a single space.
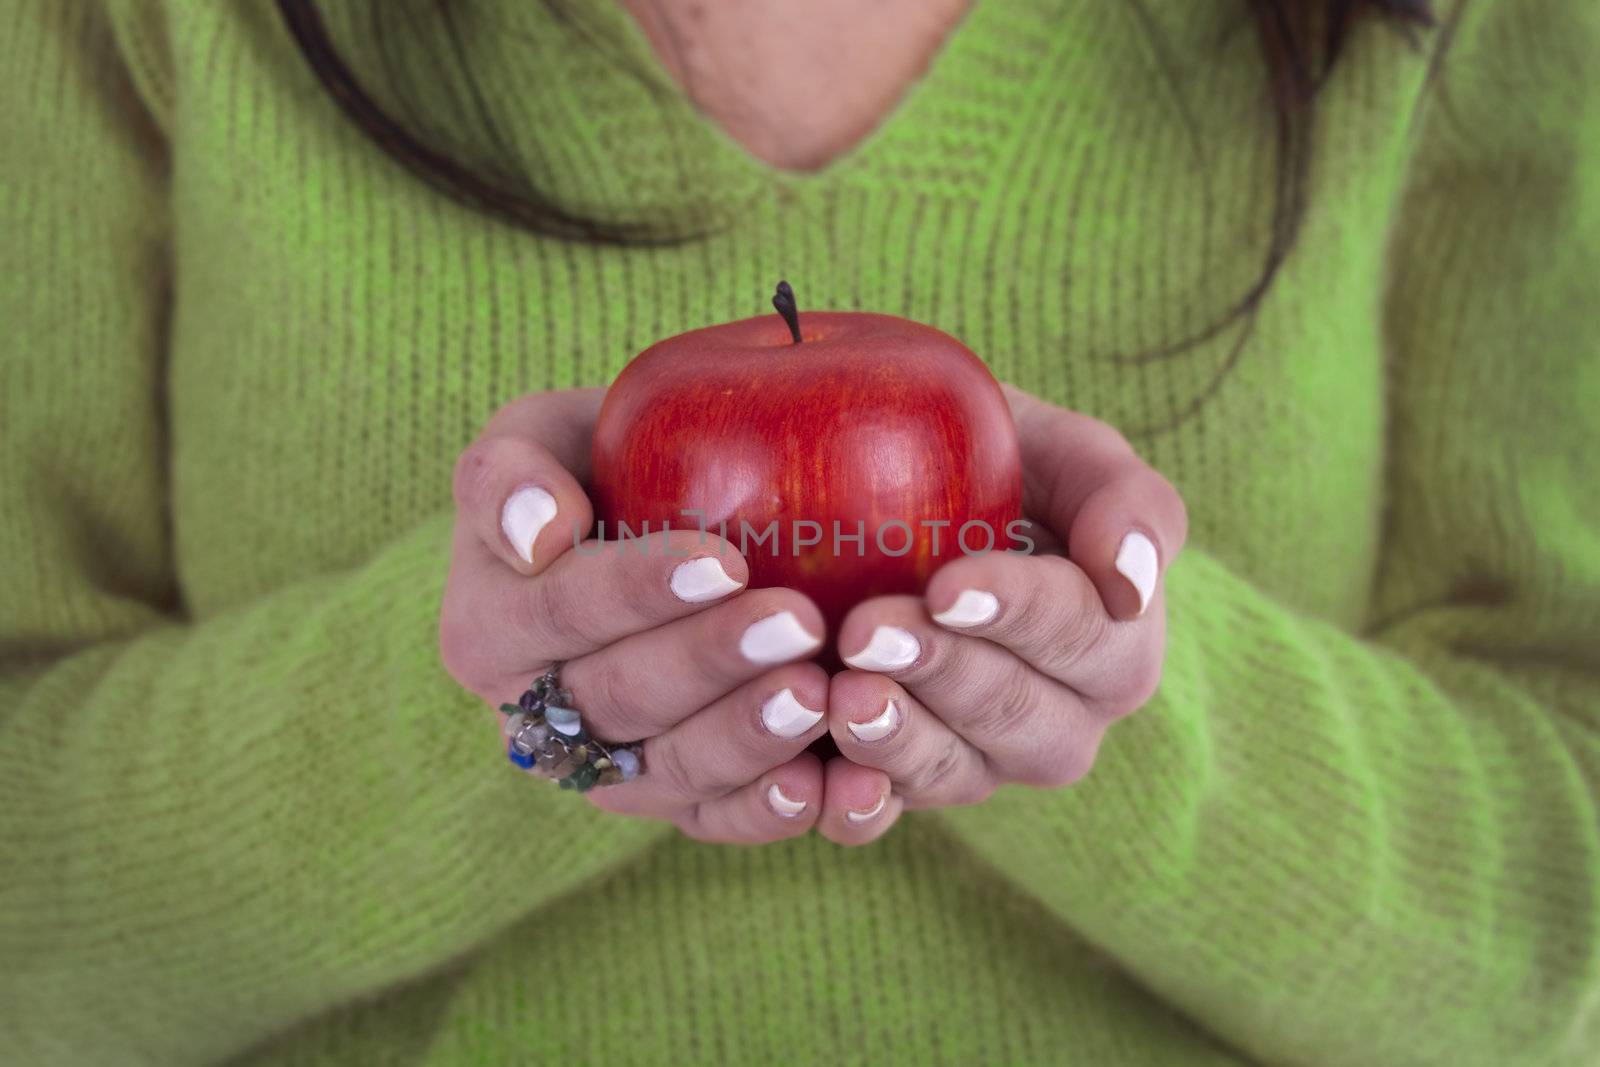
642 153
907 107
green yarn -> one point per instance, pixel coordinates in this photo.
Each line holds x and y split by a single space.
244 813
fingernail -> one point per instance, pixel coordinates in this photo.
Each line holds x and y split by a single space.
973 607
890 649
879 728
1136 561
526 512
783 805
785 716
700 580
859 817
776 638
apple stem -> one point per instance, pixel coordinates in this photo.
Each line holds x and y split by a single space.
783 300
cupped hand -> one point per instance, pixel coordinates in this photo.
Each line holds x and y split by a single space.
656 644
1010 667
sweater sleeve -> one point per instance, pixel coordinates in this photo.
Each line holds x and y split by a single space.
209 829
1383 847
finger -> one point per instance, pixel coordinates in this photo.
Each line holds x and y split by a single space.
1032 728
858 803
877 724
517 487
1125 534
1045 606
604 591
497 630
562 420
645 684
727 745
1124 522
782 803
1045 610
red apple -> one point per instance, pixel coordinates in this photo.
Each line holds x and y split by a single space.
850 421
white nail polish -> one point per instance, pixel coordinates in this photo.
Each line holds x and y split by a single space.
700 580
526 512
783 805
973 607
1136 561
776 638
890 649
879 728
785 716
858 817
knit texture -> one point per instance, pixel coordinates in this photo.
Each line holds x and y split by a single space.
245 814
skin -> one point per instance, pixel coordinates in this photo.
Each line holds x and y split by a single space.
746 64
1025 697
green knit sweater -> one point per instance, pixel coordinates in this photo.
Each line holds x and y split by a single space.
245 813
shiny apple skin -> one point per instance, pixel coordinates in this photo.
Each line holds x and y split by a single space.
871 419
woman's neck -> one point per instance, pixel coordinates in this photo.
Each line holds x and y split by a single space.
797 85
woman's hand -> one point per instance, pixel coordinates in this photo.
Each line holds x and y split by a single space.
655 643
1010 667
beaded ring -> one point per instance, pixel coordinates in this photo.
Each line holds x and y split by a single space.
545 735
